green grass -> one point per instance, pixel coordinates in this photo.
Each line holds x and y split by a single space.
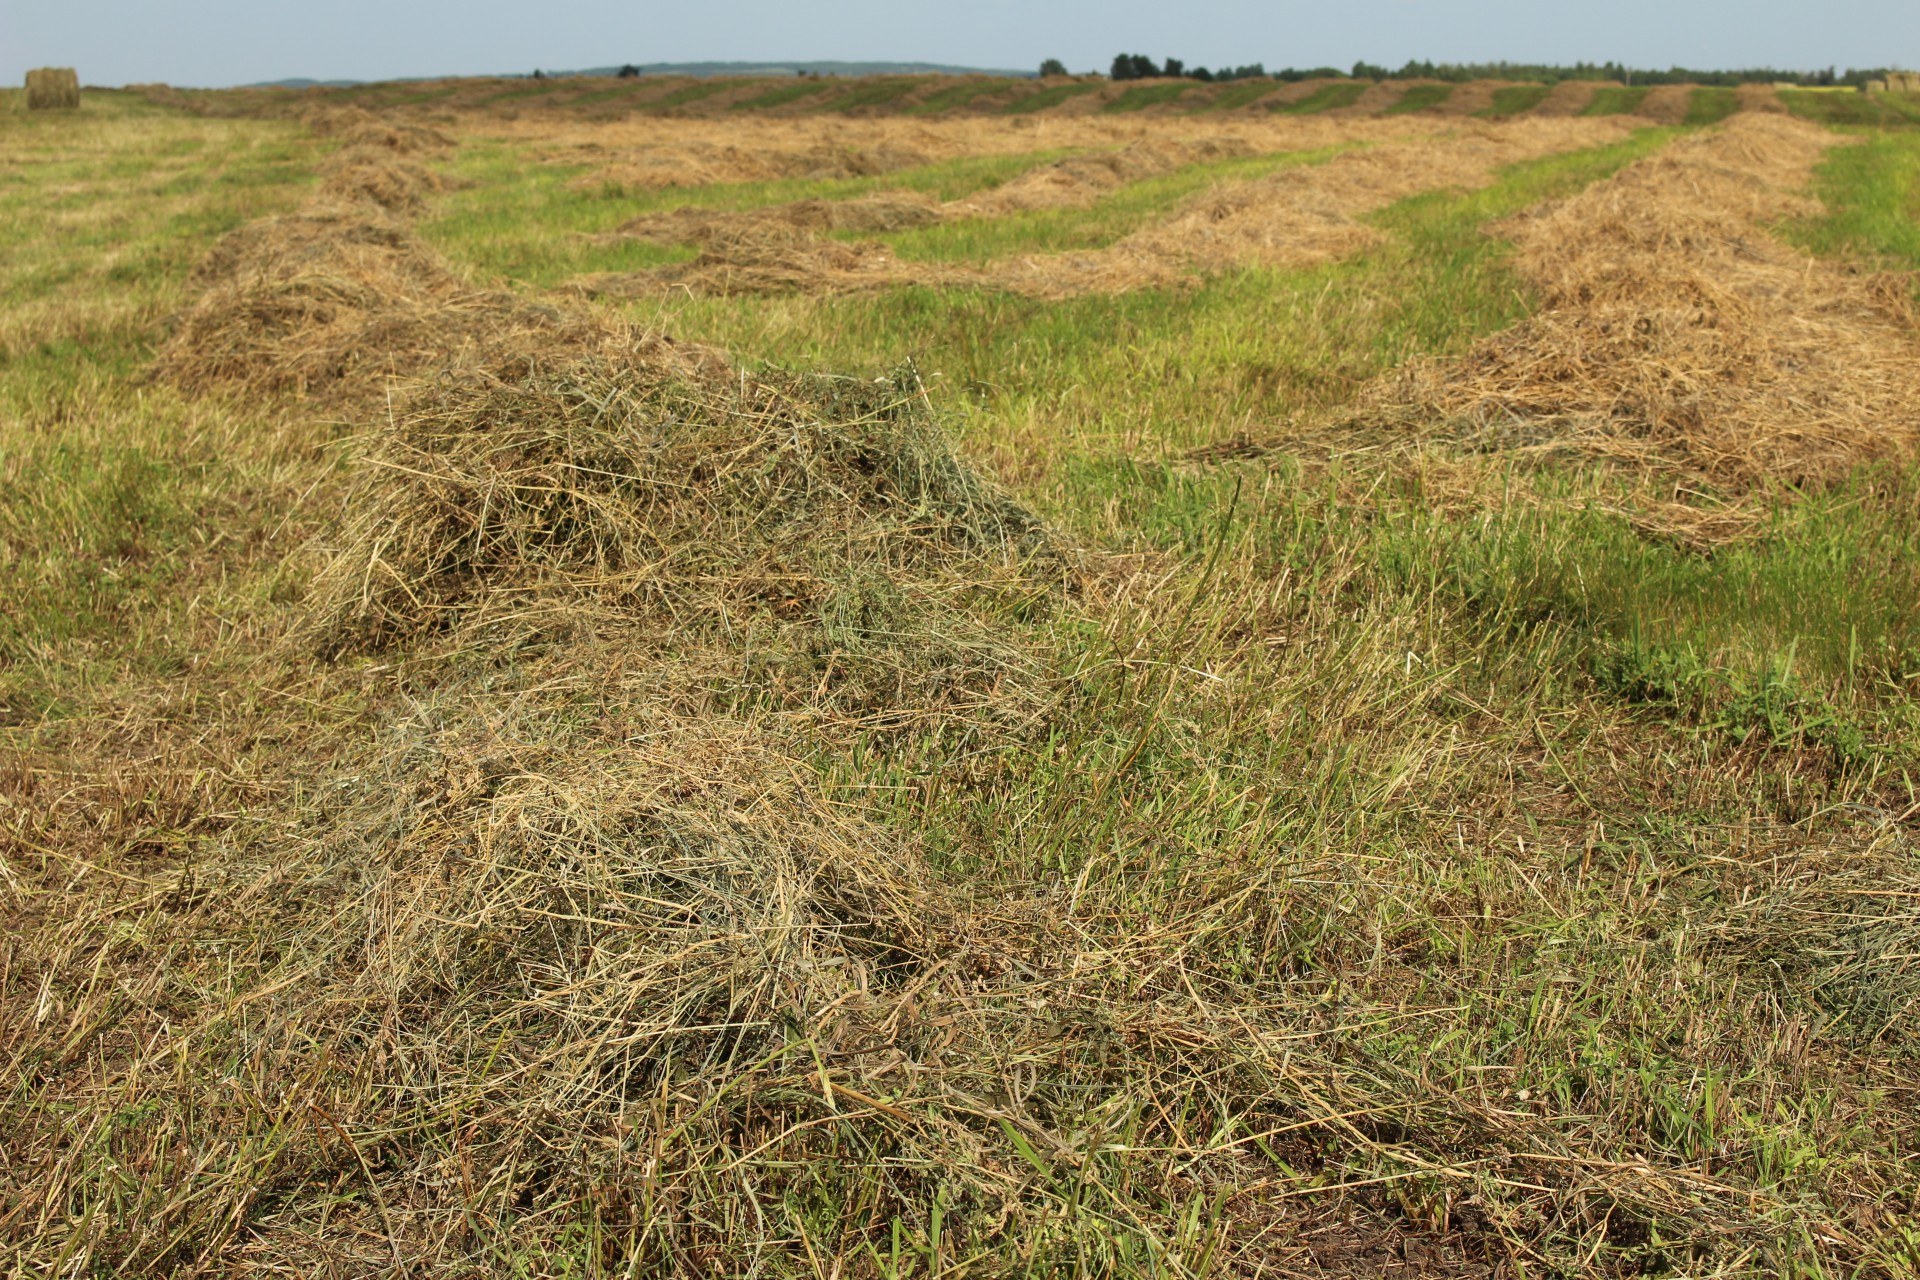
1612 101
1711 105
1148 95
1045 98
1421 97
1325 98
1848 108
1516 99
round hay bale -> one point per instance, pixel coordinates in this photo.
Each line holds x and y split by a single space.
53 89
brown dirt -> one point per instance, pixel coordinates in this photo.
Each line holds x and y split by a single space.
1677 333
1666 104
1571 97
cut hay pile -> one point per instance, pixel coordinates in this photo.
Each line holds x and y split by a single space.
339 299
749 256
819 530
53 89
882 211
700 162
1666 104
1676 331
1078 181
1571 97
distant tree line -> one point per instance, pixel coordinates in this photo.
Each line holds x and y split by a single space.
1136 66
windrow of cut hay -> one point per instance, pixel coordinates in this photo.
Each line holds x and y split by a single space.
339 298
1677 331
653 154
1303 215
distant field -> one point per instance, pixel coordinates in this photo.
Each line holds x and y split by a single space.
939 96
907 677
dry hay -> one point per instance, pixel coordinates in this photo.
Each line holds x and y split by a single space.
53 89
1078 181
1375 98
1301 216
1312 214
377 176
339 299
701 163
748 257
1676 332
358 127
1759 97
882 211
778 515
1666 104
1571 97
655 153
338 302
1471 98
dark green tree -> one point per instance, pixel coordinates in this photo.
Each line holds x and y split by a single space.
1053 67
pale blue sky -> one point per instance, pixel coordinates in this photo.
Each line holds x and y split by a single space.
221 42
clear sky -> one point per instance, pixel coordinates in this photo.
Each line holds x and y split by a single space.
224 42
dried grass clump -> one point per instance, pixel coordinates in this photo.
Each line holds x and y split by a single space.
1676 332
820 531
748 257
358 127
338 302
564 926
882 211
701 162
53 89
377 176
1080 180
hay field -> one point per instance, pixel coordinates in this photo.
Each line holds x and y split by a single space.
927 689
